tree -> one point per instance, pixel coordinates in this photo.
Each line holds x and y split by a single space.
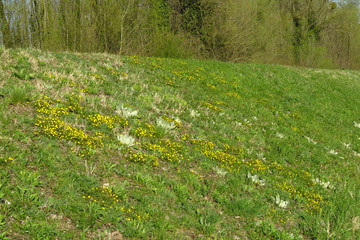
5 27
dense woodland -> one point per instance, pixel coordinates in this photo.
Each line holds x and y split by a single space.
316 33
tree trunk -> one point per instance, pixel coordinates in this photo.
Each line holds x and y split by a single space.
5 27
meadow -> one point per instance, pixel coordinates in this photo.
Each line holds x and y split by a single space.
100 146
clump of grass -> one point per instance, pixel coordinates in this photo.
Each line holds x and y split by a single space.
18 94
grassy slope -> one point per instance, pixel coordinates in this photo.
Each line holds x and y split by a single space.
195 180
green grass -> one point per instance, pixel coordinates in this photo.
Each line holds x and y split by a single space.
94 146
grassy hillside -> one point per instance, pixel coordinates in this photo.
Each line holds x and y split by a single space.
96 146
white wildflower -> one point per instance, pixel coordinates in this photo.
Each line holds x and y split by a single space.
279 135
333 152
194 113
247 122
164 124
220 171
281 203
323 184
357 124
356 154
126 112
249 150
256 180
347 145
126 140
238 124
311 140
260 156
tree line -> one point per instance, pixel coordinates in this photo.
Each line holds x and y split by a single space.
316 33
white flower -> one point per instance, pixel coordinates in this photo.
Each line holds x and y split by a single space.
260 156
347 145
220 171
238 124
311 140
357 124
356 154
326 185
281 203
249 150
164 124
194 113
279 135
255 179
333 152
126 112
247 122
323 184
126 140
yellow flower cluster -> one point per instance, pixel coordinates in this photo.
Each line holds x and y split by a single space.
149 132
209 149
222 80
211 86
96 76
257 166
53 127
132 214
138 157
233 164
103 196
169 120
313 200
168 151
220 103
43 106
107 199
80 86
49 75
113 72
8 160
155 65
170 82
73 103
135 60
211 106
233 94
203 144
230 162
110 121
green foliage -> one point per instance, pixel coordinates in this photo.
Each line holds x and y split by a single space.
17 94
309 33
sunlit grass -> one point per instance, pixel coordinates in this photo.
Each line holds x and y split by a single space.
170 148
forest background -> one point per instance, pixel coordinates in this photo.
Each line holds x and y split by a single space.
314 33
